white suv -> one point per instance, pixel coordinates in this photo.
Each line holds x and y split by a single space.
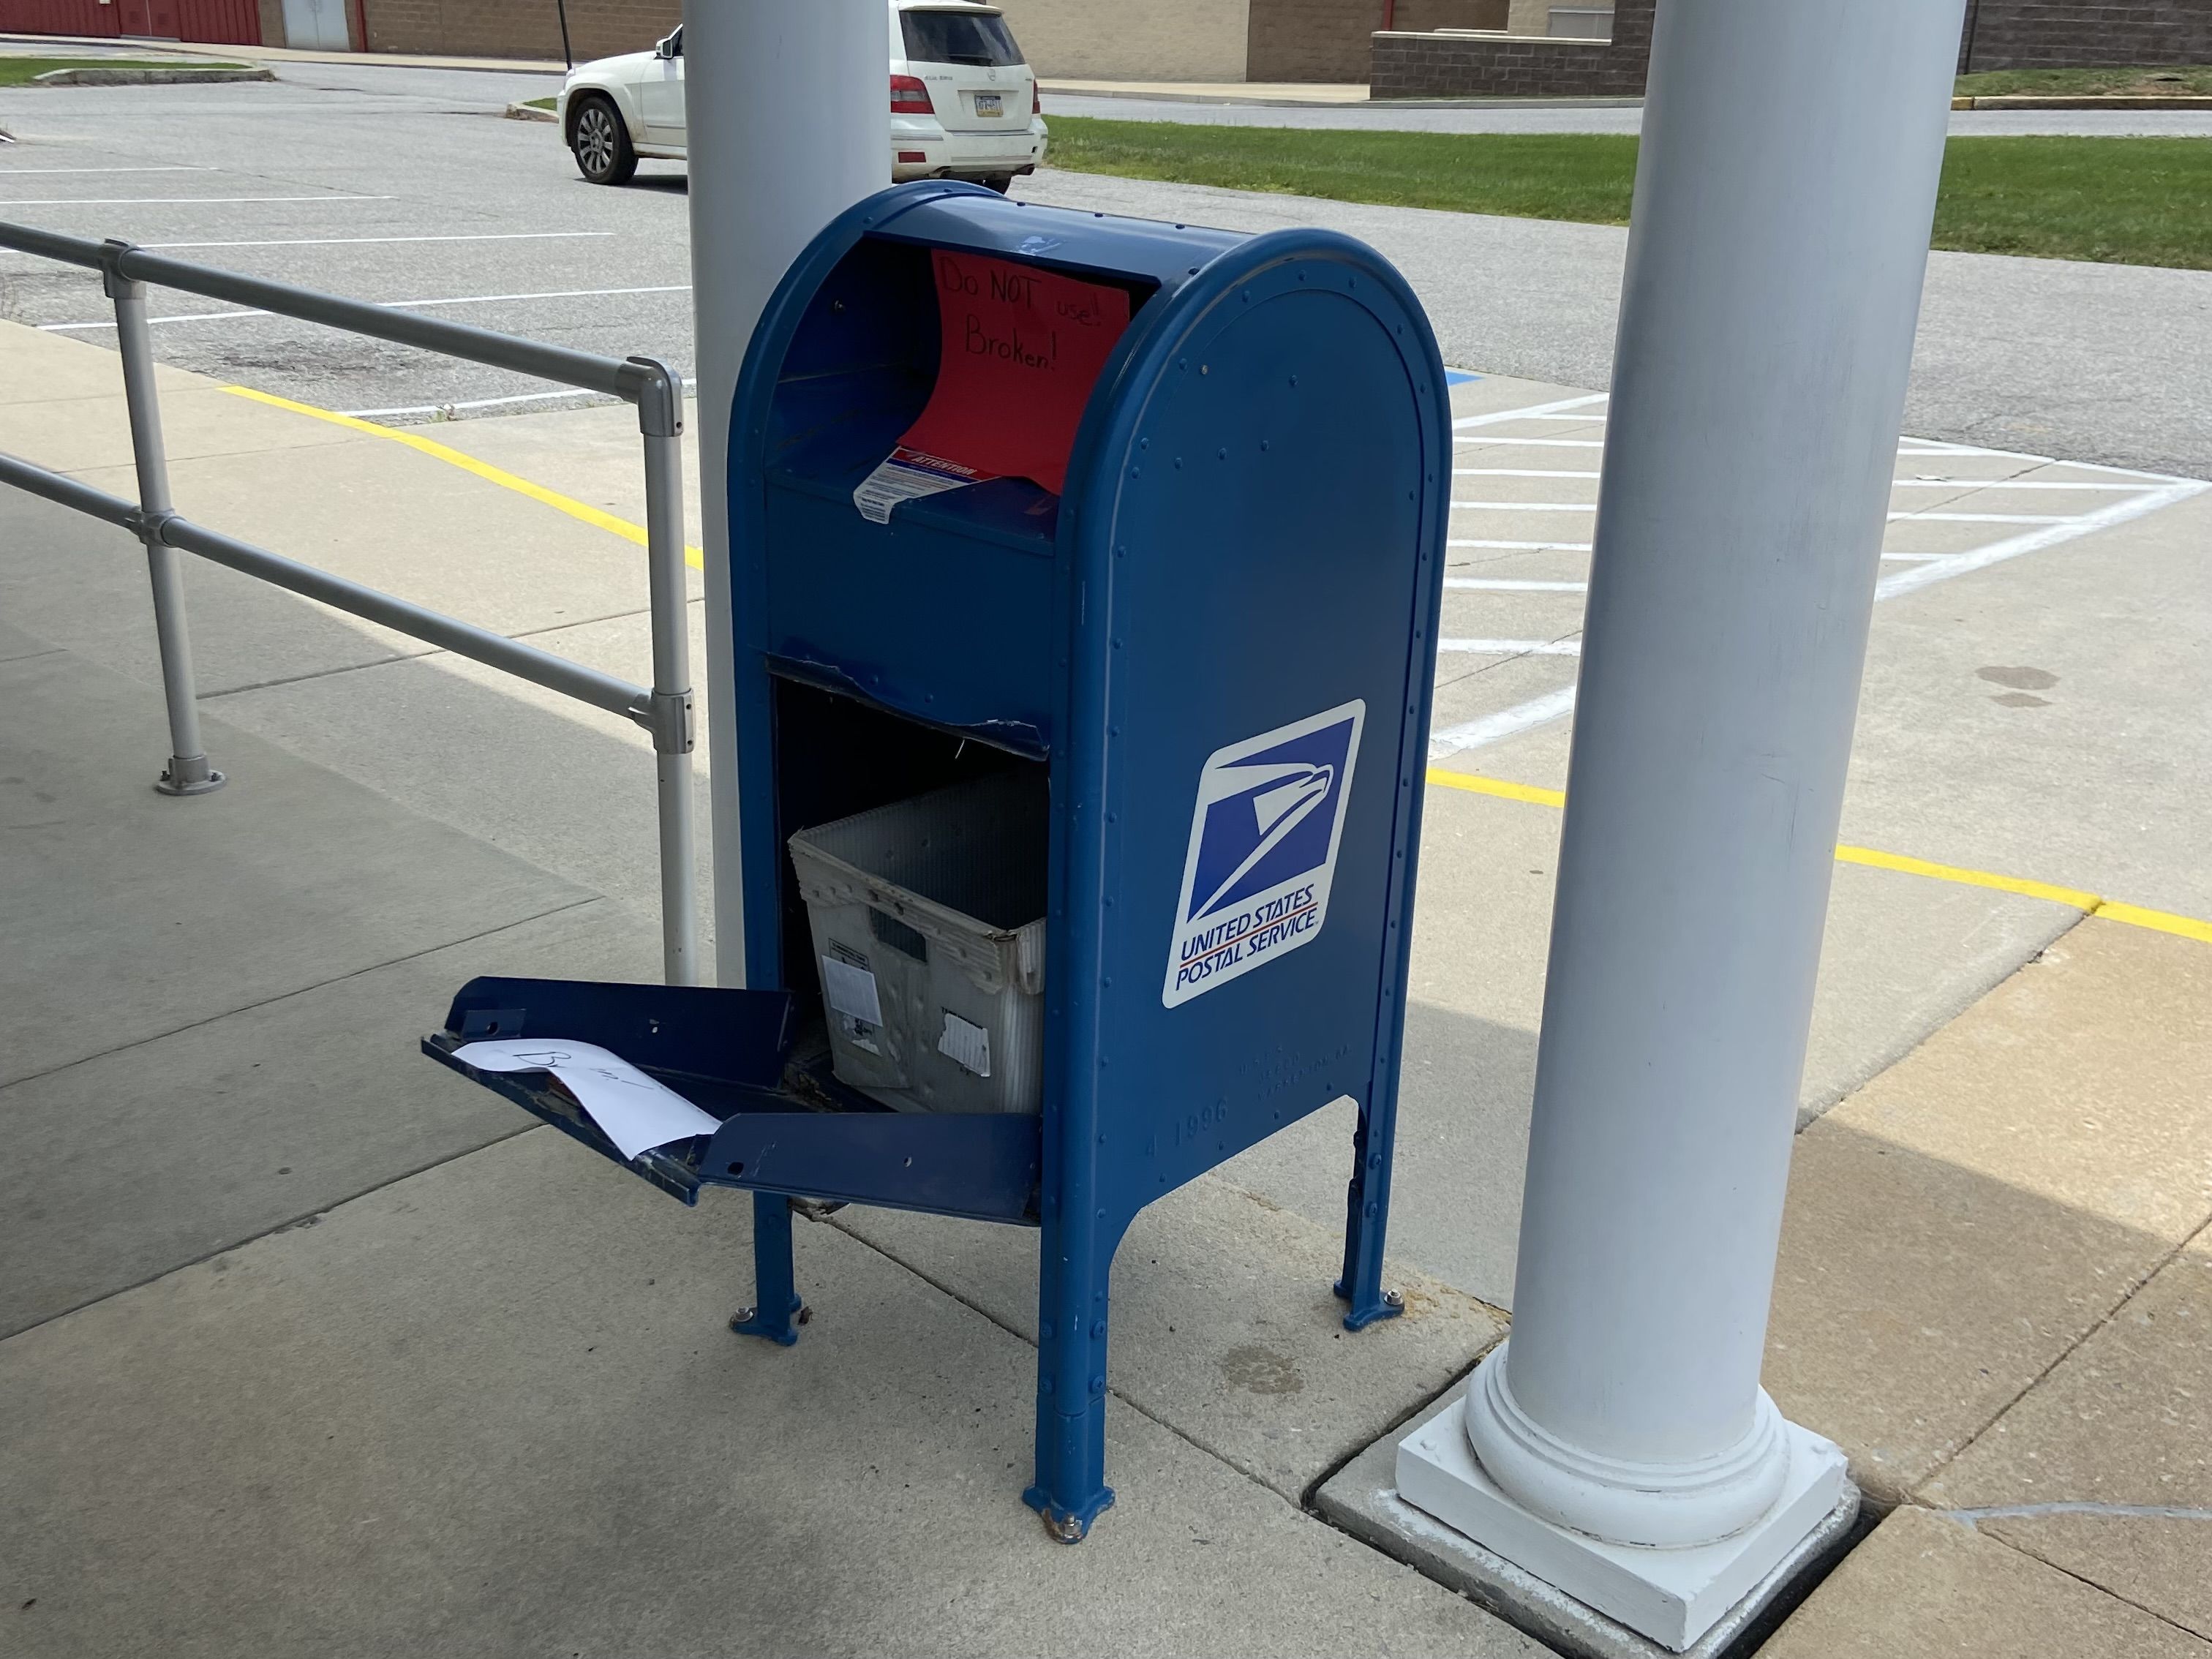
963 104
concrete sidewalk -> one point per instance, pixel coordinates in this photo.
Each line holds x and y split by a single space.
312 1345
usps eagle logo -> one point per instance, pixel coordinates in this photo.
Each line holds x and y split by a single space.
1263 840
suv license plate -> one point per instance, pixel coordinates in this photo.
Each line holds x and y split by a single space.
990 103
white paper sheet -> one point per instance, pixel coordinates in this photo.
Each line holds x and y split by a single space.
966 1044
635 1111
851 991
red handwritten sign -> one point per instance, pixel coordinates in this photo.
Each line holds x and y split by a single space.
1020 349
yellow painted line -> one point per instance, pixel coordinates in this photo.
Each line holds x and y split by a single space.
2163 921
1475 784
2091 904
1964 877
597 517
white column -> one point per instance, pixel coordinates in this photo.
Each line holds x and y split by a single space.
1784 198
789 120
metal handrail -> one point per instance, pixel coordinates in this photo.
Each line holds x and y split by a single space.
663 709
586 369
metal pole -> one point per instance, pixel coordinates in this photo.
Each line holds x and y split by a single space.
188 772
567 55
816 100
1785 193
660 419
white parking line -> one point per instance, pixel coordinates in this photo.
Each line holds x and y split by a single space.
24 172
1526 547
1514 647
2141 493
2005 484
1895 483
1505 723
1552 411
1905 581
473 402
1506 584
173 201
1946 450
352 241
1536 443
1985 518
389 305
1524 507
1591 506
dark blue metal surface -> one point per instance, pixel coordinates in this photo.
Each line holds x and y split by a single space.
981 1166
1220 641
783 1131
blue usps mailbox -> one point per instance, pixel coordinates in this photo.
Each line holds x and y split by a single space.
1195 631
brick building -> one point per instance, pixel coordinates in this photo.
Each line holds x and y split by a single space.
1415 62
2083 33
1411 64
472 28
1403 48
519 28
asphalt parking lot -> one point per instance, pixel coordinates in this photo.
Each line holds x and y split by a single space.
406 186
1525 501
380 182
2052 402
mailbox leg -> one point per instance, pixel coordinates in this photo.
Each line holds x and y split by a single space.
1070 1491
1367 1208
776 1309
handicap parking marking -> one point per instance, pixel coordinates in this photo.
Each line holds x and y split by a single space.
1955 508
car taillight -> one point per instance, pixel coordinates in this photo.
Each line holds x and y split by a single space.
909 96
1036 99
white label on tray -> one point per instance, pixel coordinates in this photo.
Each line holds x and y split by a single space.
851 991
907 474
633 1111
967 1046
1263 839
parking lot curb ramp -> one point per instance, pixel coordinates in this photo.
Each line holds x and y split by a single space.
183 75
2117 101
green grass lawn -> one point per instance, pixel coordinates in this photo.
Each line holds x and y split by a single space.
20 71
537 103
2161 80
2133 201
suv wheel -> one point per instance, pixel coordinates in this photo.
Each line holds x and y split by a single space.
601 142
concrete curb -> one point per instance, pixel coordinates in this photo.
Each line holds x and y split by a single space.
181 76
1157 95
2035 101
522 112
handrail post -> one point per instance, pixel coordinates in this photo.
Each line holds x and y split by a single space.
658 390
188 772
